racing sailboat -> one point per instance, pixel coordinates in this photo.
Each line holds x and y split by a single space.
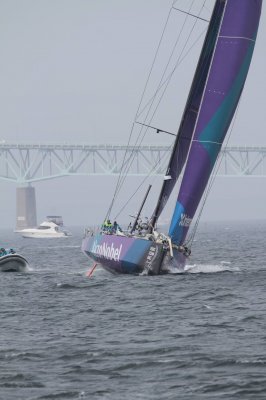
213 98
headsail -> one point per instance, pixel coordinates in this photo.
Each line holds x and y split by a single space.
186 128
225 81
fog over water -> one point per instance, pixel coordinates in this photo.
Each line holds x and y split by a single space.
73 72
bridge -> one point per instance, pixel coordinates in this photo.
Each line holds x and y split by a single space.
25 164
29 163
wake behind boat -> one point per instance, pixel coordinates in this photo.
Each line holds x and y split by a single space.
213 98
10 261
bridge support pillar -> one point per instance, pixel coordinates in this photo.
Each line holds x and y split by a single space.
26 208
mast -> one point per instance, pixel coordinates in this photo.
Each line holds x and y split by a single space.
141 207
186 128
227 72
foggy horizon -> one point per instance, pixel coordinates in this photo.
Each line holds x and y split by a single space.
74 73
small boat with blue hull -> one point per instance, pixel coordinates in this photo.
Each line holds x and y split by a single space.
214 95
10 261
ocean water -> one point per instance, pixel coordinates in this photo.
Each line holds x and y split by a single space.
198 335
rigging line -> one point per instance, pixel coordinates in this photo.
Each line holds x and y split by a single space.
167 84
153 63
204 90
170 58
158 130
205 197
143 181
166 81
207 8
138 138
132 159
151 170
133 155
141 99
165 69
216 168
192 15
125 170
173 71
126 164
119 177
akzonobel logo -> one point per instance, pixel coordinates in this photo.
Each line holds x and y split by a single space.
185 220
107 251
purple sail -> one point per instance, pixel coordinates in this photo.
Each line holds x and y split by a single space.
188 121
226 78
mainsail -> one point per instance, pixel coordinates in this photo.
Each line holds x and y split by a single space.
227 71
186 128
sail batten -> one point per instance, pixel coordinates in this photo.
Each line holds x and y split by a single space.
238 38
224 84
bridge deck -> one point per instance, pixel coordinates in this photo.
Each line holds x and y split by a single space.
28 163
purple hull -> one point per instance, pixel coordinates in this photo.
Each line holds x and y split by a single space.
128 255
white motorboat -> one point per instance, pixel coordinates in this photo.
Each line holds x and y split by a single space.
10 261
47 229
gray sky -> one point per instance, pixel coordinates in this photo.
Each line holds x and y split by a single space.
74 70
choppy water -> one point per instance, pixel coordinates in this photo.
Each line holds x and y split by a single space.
192 336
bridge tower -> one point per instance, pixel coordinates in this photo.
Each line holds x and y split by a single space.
26 208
